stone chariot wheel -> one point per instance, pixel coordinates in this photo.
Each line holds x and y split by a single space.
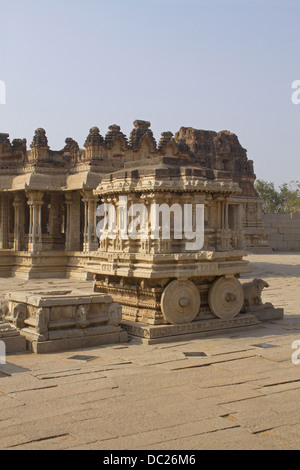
180 302
226 297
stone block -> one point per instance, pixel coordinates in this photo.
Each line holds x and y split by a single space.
293 246
290 229
275 237
69 344
61 320
288 236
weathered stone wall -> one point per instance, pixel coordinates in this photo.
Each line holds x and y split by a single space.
284 231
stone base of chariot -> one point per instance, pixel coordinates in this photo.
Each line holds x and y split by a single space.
155 334
231 306
13 340
66 320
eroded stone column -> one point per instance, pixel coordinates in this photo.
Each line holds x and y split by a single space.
35 202
19 220
226 215
90 240
73 221
4 221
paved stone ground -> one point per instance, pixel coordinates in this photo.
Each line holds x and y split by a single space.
238 396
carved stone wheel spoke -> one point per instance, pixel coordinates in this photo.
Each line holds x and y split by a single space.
180 302
226 297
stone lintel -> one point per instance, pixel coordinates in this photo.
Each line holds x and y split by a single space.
40 299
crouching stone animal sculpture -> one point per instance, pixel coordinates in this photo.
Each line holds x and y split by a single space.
252 293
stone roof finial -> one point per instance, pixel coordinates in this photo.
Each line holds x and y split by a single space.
139 124
4 139
94 138
40 139
166 137
19 144
71 145
113 134
141 129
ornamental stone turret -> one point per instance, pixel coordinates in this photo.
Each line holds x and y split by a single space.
142 133
39 147
94 144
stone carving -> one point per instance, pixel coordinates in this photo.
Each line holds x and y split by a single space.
19 314
81 316
252 292
114 314
189 330
43 318
61 320
226 297
180 302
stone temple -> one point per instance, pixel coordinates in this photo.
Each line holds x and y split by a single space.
48 205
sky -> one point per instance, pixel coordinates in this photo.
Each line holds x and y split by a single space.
69 65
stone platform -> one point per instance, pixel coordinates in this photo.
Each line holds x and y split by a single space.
234 391
155 334
65 320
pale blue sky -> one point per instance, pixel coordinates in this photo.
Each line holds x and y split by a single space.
69 65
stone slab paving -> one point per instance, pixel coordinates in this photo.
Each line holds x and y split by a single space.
236 396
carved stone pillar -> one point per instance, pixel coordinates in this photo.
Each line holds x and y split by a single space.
19 219
4 221
35 202
219 215
73 221
90 240
226 215
55 216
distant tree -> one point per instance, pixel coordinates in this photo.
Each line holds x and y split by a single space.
290 196
269 195
286 200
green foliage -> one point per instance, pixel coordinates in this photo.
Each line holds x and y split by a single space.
285 200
